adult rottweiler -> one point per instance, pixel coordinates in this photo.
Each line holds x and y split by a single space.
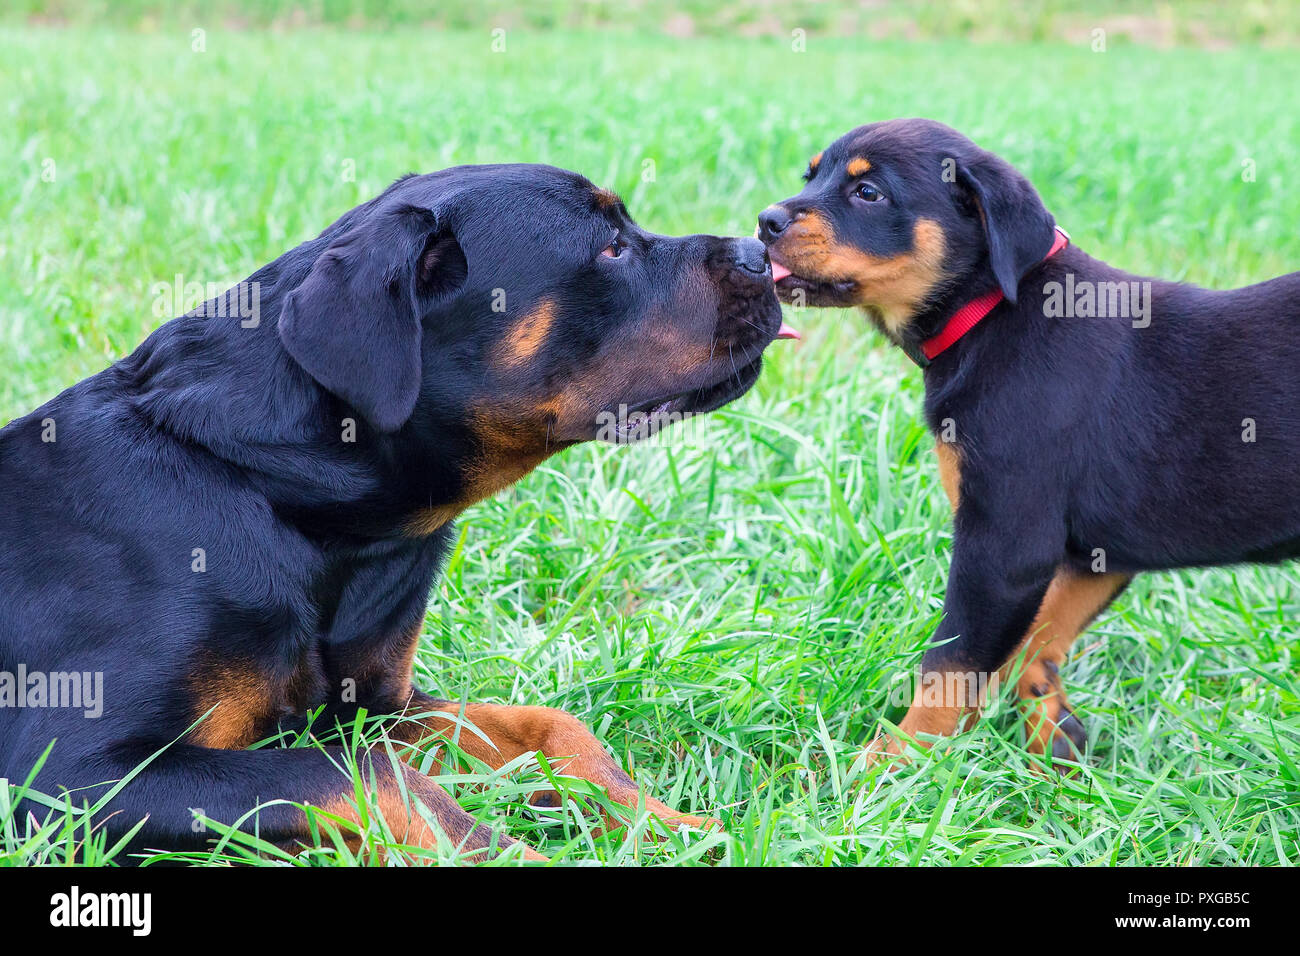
1090 424
241 522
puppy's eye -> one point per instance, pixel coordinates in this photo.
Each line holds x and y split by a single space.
615 248
808 173
868 193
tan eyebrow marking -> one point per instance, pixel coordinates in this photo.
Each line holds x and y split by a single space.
815 162
858 167
606 199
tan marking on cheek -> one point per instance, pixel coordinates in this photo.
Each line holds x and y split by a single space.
509 448
858 167
808 237
890 289
525 339
676 355
905 282
685 350
564 406
428 520
515 437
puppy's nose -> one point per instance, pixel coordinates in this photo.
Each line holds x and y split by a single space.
750 255
772 221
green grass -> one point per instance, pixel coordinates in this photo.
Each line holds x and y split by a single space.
728 614
1152 22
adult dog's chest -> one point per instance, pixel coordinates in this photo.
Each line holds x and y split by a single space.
356 649
239 700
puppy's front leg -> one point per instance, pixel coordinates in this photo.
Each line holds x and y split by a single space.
1003 559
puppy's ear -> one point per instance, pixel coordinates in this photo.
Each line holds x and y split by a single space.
354 323
1017 227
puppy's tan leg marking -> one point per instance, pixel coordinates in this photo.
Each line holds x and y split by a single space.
1072 601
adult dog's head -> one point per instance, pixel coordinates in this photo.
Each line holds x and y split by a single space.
898 218
499 313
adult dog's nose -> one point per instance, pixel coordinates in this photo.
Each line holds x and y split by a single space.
773 221
750 255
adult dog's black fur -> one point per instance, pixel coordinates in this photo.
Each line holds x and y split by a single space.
242 521
1154 425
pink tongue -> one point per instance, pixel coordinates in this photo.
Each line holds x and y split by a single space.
786 331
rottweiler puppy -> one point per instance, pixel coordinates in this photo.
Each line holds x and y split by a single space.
240 523
1091 424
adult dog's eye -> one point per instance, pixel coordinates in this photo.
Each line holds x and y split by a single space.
868 193
615 248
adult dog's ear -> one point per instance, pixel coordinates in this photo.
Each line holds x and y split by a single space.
1017 227
354 323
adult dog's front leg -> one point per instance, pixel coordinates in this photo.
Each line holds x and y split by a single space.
171 791
511 731
1003 560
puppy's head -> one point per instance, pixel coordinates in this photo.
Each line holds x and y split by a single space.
498 313
899 216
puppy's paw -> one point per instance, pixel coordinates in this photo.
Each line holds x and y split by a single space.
1051 727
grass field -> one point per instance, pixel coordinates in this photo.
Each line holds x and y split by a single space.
729 613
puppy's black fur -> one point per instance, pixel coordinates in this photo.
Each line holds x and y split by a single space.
1075 446
242 520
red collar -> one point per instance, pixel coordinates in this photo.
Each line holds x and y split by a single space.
970 314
